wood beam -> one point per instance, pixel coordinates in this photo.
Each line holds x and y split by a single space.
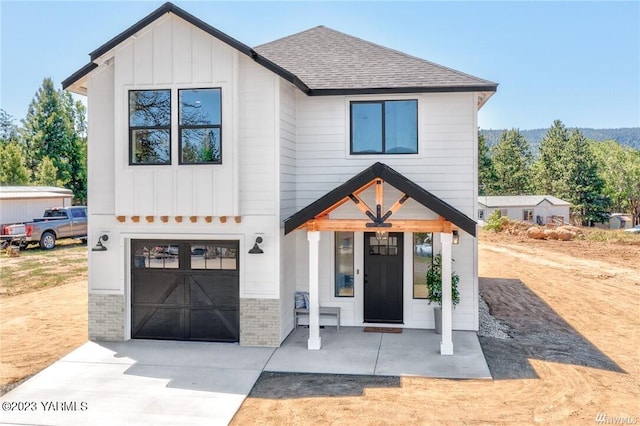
164 219
437 225
362 206
121 218
207 219
193 219
379 193
396 206
149 219
223 219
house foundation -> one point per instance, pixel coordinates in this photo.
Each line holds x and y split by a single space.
106 317
260 322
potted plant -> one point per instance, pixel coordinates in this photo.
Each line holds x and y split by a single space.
434 287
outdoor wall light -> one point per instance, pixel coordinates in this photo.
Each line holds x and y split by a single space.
256 248
456 237
99 246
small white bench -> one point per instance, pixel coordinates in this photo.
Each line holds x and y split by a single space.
323 311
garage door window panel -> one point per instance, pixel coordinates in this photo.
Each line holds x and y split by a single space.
214 256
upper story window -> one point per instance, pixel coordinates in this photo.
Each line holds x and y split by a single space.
150 126
384 127
200 126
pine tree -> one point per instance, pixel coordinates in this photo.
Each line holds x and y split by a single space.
8 130
13 170
55 127
584 186
550 177
512 161
486 171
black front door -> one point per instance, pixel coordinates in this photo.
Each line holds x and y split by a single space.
383 278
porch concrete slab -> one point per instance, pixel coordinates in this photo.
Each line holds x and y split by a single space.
353 351
141 382
348 351
417 353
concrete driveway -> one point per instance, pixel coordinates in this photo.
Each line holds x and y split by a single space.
144 382
139 382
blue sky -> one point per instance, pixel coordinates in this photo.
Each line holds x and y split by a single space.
574 61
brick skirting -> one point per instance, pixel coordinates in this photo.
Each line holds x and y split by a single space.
106 317
260 322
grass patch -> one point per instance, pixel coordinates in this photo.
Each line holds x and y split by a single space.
612 236
36 269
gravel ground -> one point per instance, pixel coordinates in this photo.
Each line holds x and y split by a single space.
491 326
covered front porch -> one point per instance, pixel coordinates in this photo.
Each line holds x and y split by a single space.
353 351
358 206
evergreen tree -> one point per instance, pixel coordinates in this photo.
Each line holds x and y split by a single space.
47 174
512 161
13 170
486 171
8 130
550 178
55 127
583 184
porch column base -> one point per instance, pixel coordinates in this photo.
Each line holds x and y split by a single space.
446 348
314 344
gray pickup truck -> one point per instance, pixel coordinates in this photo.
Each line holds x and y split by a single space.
56 223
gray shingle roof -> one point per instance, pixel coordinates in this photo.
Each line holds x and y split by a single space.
321 61
519 200
326 59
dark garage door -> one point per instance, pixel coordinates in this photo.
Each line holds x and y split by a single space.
185 290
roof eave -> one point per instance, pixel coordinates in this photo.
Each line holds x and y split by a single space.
76 82
490 89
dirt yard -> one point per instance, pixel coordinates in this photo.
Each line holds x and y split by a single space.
573 311
43 309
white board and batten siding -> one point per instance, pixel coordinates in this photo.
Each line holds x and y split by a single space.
172 54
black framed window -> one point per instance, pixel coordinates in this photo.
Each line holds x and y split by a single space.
200 126
149 127
384 127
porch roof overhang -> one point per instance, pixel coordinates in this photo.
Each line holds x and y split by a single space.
315 215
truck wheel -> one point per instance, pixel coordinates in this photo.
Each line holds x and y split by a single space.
47 241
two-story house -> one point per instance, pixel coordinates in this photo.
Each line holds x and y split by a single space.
224 178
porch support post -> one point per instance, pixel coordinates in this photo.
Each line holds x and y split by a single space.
314 303
446 344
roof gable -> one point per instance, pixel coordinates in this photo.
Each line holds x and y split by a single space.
331 62
322 62
395 179
171 8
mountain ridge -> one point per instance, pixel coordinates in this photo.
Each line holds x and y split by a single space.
627 136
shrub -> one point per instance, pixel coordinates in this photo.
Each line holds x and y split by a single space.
495 222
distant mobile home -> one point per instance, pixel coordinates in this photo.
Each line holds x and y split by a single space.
19 204
540 209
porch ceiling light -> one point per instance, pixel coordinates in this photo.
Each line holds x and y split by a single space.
99 246
456 237
256 248
381 235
